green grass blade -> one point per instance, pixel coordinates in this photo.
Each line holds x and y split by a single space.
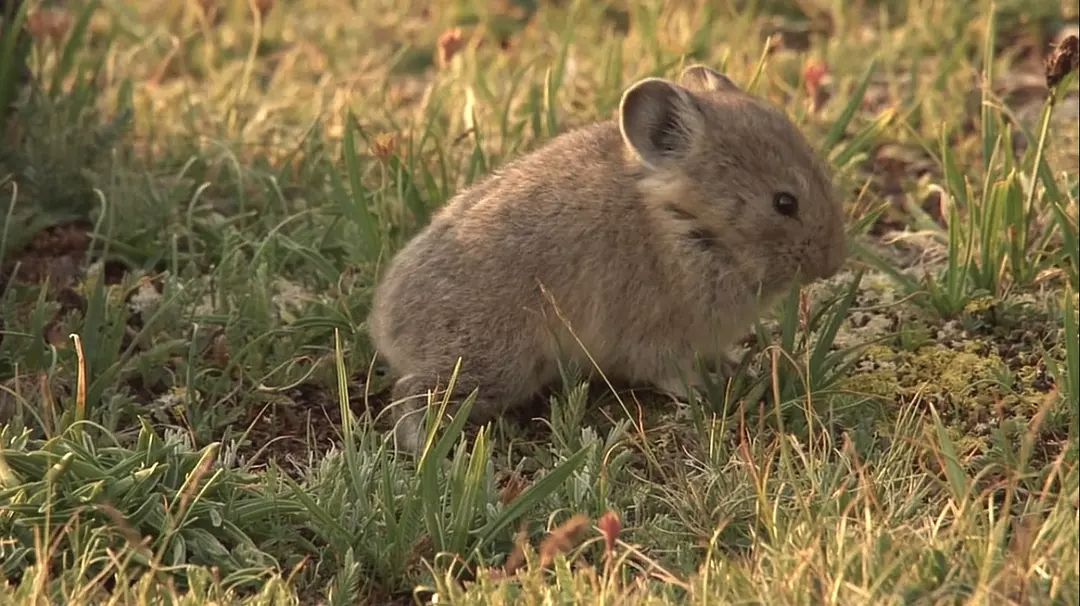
73 47
837 130
531 497
14 50
837 315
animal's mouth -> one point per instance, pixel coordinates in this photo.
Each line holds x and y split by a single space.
775 283
809 275
830 264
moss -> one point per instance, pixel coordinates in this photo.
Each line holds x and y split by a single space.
979 305
959 373
879 384
882 353
969 383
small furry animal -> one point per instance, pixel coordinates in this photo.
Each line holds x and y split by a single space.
636 245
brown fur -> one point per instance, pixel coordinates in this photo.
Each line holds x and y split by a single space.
648 239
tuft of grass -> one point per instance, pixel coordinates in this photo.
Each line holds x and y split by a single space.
1067 371
115 512
1007 232
14 52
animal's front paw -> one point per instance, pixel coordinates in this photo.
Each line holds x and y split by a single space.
409 434
729 367
679 389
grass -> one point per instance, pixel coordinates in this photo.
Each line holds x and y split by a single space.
197 198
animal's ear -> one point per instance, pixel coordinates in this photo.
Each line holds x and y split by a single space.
659 121
701 78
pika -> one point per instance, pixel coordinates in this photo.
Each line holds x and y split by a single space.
634 246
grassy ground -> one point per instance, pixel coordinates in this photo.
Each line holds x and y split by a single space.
198 196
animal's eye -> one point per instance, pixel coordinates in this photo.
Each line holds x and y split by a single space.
786 204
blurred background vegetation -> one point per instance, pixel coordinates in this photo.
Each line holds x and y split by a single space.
204 192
